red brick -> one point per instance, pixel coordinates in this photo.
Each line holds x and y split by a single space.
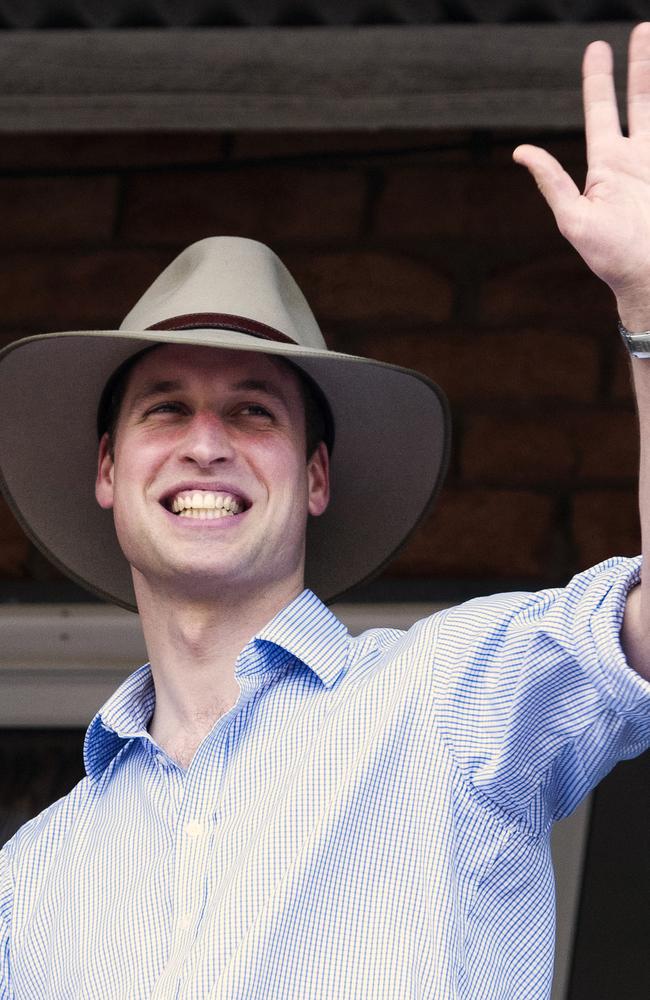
475 366
423 201
445 146
111 150
481 533
480 202
14 546
551 446
73 290
568 149
558 289
57 210
266 203
609 445
506 205
515 450
371 286
605 523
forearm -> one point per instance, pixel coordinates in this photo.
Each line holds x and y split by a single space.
635 634
609 226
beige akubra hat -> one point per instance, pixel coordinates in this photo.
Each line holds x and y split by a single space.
391 424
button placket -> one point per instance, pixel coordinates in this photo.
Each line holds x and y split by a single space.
194 841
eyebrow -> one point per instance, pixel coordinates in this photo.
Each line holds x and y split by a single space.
263 386
161 387
157 388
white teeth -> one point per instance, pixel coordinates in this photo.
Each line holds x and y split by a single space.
205 503
206 515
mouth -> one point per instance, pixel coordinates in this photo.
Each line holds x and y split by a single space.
205 505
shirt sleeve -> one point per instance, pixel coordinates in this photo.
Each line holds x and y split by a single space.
6 904
534 696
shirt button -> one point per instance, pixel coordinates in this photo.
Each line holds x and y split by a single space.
161 760
194 829
185 922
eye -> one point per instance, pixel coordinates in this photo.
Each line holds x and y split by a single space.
255 410
167 406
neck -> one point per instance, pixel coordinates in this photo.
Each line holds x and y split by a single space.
193 646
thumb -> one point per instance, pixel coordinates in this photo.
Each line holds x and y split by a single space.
556 186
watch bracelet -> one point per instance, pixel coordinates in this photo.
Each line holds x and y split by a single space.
638 344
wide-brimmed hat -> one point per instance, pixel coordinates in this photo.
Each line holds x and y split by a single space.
391 424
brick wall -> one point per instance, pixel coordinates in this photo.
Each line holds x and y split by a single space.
430 250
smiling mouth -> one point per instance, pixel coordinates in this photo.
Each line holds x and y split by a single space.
205 504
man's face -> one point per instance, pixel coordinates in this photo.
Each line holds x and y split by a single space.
208 479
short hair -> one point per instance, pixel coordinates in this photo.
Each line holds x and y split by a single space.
319 422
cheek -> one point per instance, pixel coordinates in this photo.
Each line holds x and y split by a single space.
135 468
275 461
143 446
291 472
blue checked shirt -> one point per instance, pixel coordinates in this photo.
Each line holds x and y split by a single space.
370 820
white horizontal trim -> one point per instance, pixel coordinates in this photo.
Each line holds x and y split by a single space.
59 662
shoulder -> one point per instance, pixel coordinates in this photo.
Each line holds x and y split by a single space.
40 837
581 620
599 592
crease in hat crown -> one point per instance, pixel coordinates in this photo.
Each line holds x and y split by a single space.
231 276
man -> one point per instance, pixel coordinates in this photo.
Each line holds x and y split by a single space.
272 808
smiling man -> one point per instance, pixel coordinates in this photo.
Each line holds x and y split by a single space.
210 485
273 808
161 472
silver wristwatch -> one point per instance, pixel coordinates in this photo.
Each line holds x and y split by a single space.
638 344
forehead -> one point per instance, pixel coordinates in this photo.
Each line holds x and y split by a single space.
218 368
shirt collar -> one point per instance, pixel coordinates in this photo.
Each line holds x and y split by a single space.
310 632
305 628
124 716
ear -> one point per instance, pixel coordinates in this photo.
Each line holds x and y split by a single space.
318 477
104 480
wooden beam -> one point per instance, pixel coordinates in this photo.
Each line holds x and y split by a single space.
447 76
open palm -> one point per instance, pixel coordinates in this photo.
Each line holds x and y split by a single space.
609 224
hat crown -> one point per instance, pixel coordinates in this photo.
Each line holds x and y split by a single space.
228 276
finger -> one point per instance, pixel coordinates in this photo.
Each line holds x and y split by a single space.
602 123
638 80
557 187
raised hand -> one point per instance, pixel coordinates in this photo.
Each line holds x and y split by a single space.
609 224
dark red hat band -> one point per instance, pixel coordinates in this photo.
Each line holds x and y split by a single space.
222 321
111 395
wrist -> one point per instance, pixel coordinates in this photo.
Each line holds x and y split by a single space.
634 311
636 321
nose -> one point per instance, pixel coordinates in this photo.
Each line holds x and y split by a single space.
207 440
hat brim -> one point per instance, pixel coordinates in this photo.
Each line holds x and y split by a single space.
389 460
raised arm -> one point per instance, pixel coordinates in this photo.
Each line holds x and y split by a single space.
609 226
